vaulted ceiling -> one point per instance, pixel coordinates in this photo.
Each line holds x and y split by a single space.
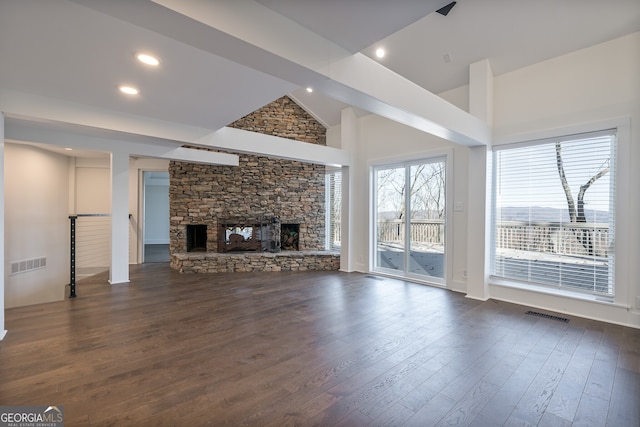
222 59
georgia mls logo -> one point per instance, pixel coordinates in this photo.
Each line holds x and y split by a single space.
31 416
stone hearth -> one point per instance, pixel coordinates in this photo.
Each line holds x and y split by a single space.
213 262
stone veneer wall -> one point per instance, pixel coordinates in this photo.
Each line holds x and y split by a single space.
259 186
286 119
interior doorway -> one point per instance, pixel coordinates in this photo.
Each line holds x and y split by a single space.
155 227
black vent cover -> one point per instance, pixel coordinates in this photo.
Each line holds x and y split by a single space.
547 316
444 11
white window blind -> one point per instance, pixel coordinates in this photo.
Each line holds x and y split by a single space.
334 208
553 213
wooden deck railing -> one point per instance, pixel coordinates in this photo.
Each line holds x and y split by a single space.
568 239
558 238
423 231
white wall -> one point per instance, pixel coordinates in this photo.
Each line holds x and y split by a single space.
156 214
579 91
91 195
92 192
136 182
3 331
589 89
385 141
36 224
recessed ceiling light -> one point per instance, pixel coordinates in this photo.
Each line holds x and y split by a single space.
380 52
145 58
129 90
309 89
68 149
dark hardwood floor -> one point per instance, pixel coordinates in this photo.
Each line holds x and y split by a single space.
311 348
156 253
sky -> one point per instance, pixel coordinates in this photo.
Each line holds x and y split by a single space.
528 176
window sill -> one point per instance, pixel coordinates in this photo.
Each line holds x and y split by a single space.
562 293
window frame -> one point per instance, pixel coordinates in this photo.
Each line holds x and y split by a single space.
329 206
620 128
415 158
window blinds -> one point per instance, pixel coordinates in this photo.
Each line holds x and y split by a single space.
334 209
553 212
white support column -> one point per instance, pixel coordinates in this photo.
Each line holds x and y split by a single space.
349 141
3 331
119 272
481 91
478 249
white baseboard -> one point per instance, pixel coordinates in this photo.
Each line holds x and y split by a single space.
2 334
157 242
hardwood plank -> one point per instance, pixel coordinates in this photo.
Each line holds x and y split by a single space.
592 411
470 405
395 415
502 404
431 413
536 399
551 420
566 397
310 348
624 407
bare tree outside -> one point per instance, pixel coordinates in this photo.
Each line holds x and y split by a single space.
576 208
426 189
410 214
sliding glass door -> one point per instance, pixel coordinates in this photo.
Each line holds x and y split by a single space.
390 219
410 219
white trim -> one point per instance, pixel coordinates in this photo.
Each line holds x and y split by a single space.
594 310
155 148
409 157
3 283
243 141
157 242
624 295
3 333
404 160
575 129
556 292
412 279
327 210
561 138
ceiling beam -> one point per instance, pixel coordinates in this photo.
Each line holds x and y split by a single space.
255 36
24 131
273 146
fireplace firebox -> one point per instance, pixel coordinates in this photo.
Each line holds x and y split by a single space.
196 238
290 237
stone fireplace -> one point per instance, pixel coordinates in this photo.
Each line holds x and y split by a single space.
238 204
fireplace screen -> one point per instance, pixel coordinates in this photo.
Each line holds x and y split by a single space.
249 235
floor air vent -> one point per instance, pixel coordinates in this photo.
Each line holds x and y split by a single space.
374 277
548 316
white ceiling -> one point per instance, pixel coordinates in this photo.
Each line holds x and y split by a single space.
510 33
76 52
